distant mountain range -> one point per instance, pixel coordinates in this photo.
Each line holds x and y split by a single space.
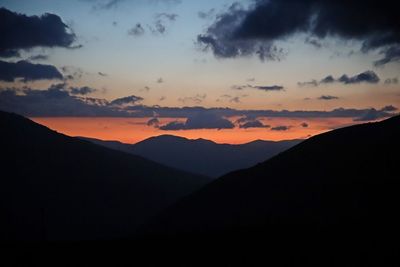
55 187
201 156
332 200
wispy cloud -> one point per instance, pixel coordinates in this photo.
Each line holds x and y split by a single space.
197 99
259 87
137 30
328 97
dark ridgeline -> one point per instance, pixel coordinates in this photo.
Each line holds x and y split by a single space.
55 187
201 156
332 200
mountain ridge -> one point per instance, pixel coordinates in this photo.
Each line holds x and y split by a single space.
56 187
329 200
201 156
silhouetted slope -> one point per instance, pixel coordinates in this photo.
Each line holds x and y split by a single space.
333 197
202 156
55 187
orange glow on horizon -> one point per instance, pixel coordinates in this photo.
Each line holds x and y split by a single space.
133 130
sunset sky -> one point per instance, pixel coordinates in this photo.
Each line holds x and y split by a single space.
228 71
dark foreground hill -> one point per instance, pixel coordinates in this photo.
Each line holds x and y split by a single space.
332 200
202 156
54 187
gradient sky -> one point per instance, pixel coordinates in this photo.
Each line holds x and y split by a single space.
173 69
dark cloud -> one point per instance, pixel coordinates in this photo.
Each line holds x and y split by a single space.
391 54
327 97
373 114
259 87
370 115
19 31
185 112
10 71
328 79
253 124
160 80
250 121
242 31
174 126
153 122
245 119
64 90
102 74
138 30
59 100
280 128
269 88
200 121
82 90
127 100
389 81
53 102
368 76
304 125
219 37
39 57
224 49
389 108
58 86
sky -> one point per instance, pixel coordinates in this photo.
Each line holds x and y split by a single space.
229 71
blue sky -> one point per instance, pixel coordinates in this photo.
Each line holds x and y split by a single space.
135 62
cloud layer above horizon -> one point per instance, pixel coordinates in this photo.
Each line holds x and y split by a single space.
62 101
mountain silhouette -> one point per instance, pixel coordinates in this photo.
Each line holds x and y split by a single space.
55 187
201 156
332 200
